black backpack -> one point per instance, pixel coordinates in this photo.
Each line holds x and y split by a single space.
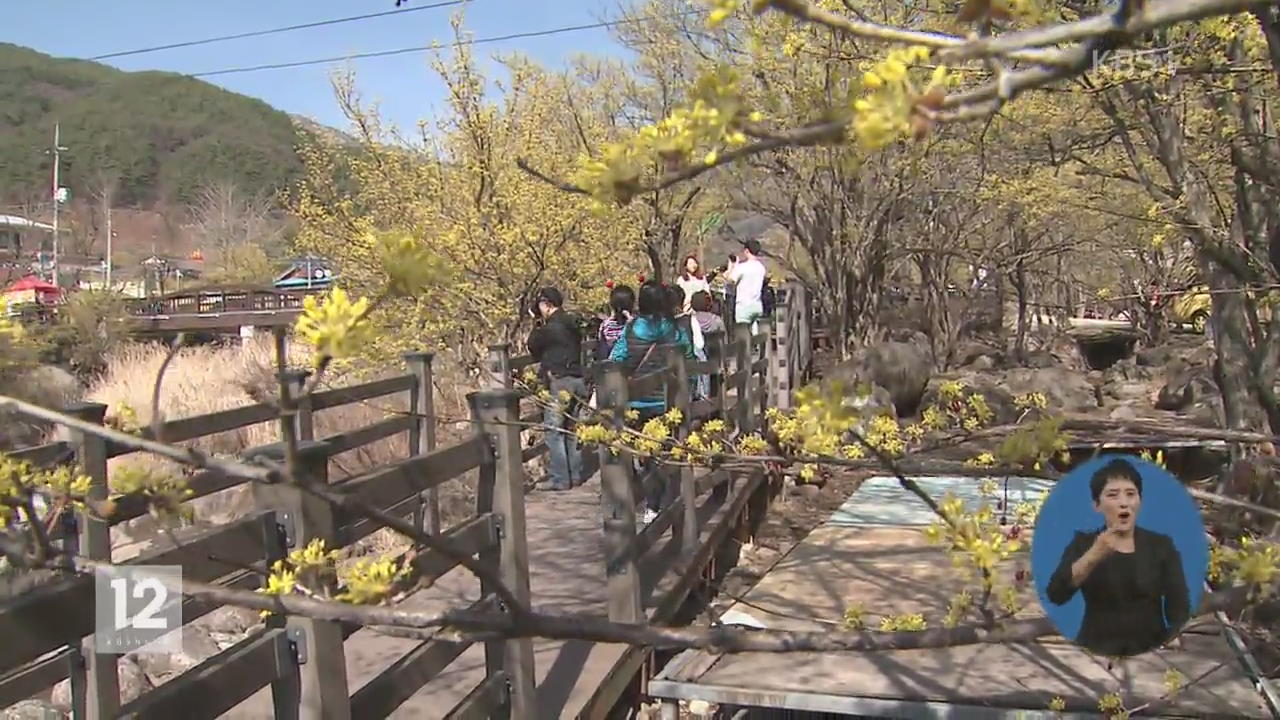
768 298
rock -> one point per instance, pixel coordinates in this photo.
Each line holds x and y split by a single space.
1125 391
878 402
988 385
968 352
32 710
1124 412
133 682
197 646
1065 389
808 490
230 620
1185 385
982 362
1040 359
903 369
1153 357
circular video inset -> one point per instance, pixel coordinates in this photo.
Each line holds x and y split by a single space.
1119 556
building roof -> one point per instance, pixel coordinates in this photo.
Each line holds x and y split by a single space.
13 221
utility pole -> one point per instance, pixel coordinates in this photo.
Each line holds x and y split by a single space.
57 194
109 234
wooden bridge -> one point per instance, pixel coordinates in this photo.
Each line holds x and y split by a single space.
576 550
215 309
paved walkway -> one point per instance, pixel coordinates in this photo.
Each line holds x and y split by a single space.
872 552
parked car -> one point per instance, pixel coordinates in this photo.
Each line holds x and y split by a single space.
1193 307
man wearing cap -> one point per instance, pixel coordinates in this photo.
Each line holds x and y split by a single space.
747 275
556 343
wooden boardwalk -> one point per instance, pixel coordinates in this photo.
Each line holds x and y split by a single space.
872 552
577 551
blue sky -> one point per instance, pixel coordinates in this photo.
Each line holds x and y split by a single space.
403 84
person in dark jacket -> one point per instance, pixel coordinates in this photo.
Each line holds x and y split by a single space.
641 350
1135 592
556 344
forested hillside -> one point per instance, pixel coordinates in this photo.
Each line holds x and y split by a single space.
156 137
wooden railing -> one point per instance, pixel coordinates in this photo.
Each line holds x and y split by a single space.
302 660
211 301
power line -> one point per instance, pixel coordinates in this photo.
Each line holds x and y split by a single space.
273 31
455 44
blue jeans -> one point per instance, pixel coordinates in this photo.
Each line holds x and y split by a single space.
648 469
565 470
701 383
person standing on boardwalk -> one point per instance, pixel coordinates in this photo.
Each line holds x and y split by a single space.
747 275
556 344
708 322
692 281
641 351
622 303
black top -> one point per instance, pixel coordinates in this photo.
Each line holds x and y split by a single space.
1133 602
557 346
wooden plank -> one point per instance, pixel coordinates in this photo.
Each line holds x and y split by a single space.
390 688
392 484
61 613
701 409
484 701
633 658
649 384
347 441
44 455
199 426
201 484
35 677
365 391
530 453
40 675
217 684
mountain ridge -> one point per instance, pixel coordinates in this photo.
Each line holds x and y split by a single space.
157 137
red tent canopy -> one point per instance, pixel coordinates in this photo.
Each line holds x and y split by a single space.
35 287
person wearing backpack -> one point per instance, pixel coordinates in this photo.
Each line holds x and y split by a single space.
642 350
622 302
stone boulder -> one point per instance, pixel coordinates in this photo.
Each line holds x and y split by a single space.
32 710
1185 385
987 384
902 369
1064 390
133 683
197 646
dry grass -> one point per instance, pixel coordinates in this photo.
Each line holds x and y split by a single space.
208 379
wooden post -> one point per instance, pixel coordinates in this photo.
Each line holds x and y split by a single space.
498 414
781 365
762 391
717 355
102 687
317 644
685 530
304 421
742 368
499 366
619 506
422 435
